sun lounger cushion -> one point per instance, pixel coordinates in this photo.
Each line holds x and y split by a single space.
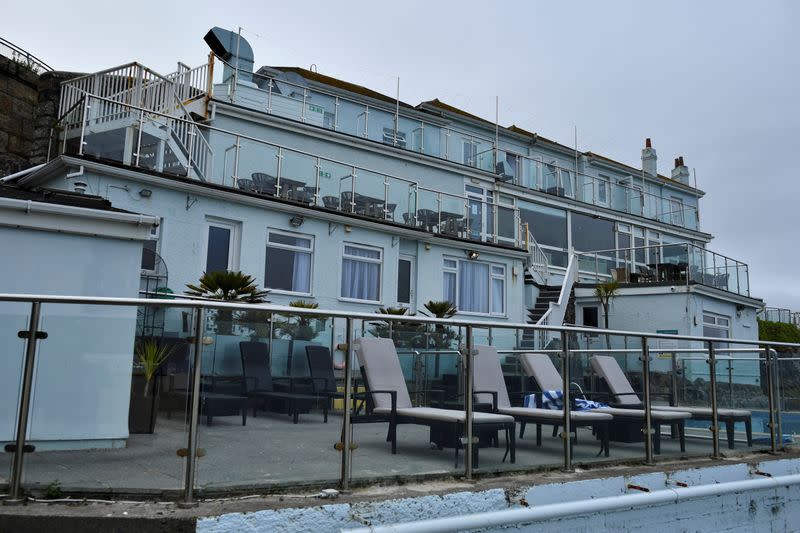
608 369
446 415
658 416
382 367
540 367
556 416
699 412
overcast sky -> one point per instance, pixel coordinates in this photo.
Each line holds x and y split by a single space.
717 82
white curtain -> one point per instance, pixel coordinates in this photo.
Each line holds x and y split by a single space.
473 287
301 272
497 295
449 292
360 279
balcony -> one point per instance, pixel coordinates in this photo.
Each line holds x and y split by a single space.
113 131
682 263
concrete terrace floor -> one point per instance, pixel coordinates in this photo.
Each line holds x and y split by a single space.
270 453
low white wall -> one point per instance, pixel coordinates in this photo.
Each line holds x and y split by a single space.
755 510
83 369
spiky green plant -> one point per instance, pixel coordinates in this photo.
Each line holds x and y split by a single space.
228 286
444 336
606 292
403 334
150 355
301 327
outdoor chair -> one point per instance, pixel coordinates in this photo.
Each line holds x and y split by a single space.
389 400
323 381
331 202
490 387
264 183
607 368
540 367
257 383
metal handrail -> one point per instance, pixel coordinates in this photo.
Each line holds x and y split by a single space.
189 124
30 60
115 301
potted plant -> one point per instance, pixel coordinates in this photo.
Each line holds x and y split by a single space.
149 355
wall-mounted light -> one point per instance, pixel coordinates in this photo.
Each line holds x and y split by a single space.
296 221
472 254
427 246
145 193
348 229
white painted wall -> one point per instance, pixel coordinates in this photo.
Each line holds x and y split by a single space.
83 371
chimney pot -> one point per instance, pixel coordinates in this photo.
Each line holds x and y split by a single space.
647 143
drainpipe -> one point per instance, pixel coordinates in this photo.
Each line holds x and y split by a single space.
582 507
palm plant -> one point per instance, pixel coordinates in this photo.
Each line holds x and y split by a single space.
228 286
444 335
149 358
301 327
606 292
403 334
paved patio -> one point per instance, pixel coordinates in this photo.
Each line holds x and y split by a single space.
271 451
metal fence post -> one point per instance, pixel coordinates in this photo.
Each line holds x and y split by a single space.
194 411
567 411
712 376
778 397
770 371
32 335
648 419
347 427
468 367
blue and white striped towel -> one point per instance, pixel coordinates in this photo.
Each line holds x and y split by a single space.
554 400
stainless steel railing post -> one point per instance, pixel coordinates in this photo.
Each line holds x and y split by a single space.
194 412
567 412
344 480
712 376
32 335
770 370
648 418
468 367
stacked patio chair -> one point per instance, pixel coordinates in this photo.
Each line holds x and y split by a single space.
607 368
541 369
257 383
489 386
389 401
323 381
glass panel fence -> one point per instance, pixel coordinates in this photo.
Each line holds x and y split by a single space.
741 389
788 398
401 201
268 412
423 376
334 180
370 195
694 393
97 421
452 220
411 134
258 167
14 318
380 127
350 118
434 140
298 179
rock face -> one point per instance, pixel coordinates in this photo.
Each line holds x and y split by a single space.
28 109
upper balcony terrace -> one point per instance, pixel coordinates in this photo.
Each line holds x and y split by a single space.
680 263
146 125
406 128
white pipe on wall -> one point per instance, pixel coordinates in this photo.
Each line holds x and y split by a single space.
580 507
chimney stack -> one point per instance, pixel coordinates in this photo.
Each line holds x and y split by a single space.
681 172
649 159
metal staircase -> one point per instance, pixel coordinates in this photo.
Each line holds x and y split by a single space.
154 114
551 306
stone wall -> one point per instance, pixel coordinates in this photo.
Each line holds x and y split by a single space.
28 109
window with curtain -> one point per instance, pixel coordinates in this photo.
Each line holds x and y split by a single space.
361 273
474 286
288 265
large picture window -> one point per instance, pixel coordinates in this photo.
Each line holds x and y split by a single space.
549 227
474 286
361 273
288 265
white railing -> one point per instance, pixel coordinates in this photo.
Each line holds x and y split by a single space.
537 259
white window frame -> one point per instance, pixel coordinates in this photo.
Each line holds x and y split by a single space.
492 276
719 322
378 261
154 235
606 182
676 211
235 242
310 251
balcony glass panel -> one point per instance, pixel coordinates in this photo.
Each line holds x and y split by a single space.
13 318
298 180
401 201
434 140
410 134
380 127
370 194
320 109
452 218
258 167
351 118
334 179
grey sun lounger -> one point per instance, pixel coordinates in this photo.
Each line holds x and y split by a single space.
541 369
608 368
386 387
490 387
